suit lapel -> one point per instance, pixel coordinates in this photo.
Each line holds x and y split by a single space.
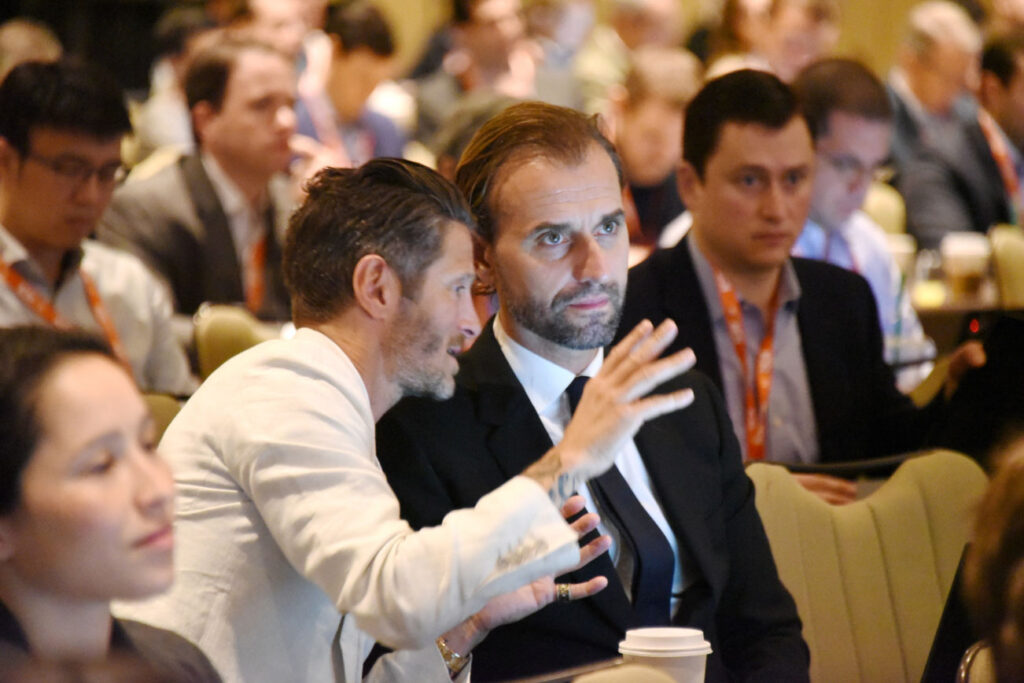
686 305
517 440
220 263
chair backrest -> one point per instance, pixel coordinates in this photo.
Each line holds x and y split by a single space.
1008 264
870 578
164 408
885 206
222 331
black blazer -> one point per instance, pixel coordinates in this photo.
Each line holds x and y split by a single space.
174 222
858 409
954 184
442 456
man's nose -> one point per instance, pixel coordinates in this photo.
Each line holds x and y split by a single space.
590 259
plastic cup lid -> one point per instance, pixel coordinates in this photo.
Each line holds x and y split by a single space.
664 641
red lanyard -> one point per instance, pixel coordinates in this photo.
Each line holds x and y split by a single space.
42 307
756 389
255 282
1002 157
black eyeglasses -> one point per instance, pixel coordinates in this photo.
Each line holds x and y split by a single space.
78 171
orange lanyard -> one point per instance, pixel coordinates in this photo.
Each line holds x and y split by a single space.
1002 157
255 284
756 390
42 307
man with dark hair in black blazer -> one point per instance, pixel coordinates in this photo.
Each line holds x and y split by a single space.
793 344
688 545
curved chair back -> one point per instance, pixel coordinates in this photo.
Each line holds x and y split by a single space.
885 206
221 331
1008 264
870 578
164 408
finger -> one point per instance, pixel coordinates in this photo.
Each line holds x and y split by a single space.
660 404
304 145
585 524
644 351
651 375
593 549
573 505
578 591
621 350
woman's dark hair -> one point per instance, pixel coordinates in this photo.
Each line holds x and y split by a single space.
27 357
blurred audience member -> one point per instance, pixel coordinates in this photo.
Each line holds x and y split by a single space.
490 51
738 28
647 128
850 119
61 126
280 23
800 32
211 224
163 119
461 125
86 512
973 181
604 59
937 69
1004 16
361 59
994 567
775 333
26 40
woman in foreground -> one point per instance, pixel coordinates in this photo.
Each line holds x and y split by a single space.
86 512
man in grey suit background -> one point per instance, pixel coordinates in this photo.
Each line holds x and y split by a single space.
211 224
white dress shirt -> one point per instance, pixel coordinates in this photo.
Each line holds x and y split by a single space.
545 383
138 304
285 522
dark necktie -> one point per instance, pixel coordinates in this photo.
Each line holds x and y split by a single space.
653 558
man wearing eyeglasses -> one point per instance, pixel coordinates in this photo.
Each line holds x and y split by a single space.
61 126
850 119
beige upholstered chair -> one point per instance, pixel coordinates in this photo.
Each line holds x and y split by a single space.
870 578
885 206
163 408
1008 264
221 331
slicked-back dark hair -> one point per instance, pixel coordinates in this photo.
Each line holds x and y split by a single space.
28 355
999 57
844 85
745 96
360 24
394 208
67 95
523 131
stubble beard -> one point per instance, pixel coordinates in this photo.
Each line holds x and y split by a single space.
410 348
550 322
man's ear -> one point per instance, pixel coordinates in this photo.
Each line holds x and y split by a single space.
6 539
688 183
483 257
202 113
9 156
376 287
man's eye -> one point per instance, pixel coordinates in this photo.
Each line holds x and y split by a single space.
551 238
749 180
794 178
71 168
609 227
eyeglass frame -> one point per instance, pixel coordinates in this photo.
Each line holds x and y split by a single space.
79 172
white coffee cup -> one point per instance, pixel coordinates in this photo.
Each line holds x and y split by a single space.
965 258
681 653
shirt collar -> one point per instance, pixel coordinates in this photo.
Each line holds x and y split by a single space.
543 381
789 284
231 198
16 255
